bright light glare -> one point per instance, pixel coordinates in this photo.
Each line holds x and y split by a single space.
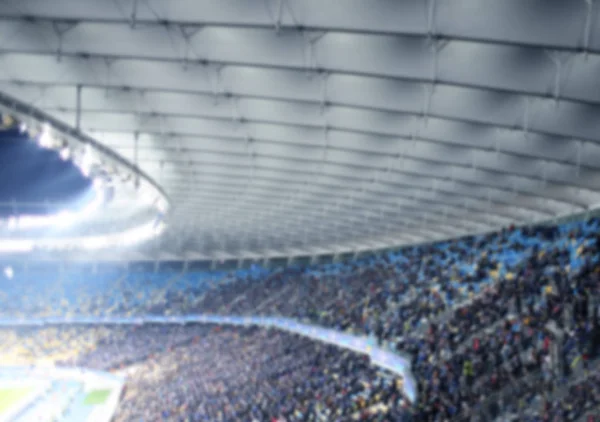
45 140
12 223
14 245
61 219
163 205
8 272
129 237
87 161
65 153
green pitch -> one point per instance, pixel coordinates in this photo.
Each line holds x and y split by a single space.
10 396
96 397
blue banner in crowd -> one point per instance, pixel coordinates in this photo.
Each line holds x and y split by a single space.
379 356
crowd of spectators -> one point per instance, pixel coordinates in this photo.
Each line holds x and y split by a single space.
481 316
578 400
217 373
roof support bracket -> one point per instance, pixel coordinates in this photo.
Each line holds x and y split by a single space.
60 29
587 29
310 56
431 17
559 59
134 9
279 15
187 32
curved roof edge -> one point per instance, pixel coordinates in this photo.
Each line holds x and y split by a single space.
135 260
26 111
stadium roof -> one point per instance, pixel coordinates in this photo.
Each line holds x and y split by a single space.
311 126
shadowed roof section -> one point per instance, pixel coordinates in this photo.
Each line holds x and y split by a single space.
37 180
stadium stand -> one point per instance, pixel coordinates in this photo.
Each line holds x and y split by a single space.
494 323
215 373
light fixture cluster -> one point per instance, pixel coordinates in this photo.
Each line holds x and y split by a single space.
104 171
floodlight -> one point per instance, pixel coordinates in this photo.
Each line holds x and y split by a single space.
87 161
45 139
9 273
65 153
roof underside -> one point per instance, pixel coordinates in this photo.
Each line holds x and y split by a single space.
312 126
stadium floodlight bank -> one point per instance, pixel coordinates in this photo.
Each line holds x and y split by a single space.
112 176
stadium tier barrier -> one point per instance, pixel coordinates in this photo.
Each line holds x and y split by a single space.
379 356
